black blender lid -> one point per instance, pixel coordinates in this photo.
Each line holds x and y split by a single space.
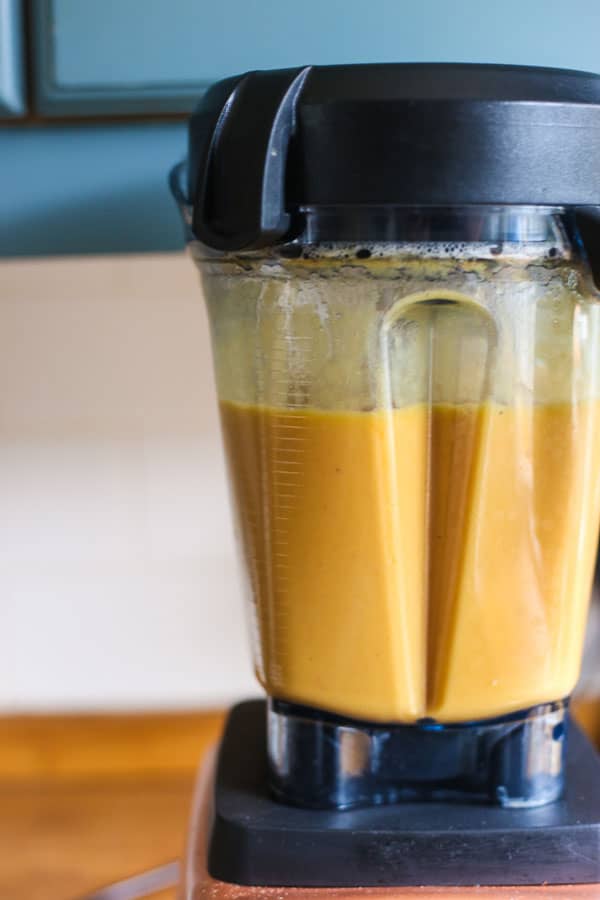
265 145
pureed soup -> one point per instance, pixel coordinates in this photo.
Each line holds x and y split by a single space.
411 443
418 562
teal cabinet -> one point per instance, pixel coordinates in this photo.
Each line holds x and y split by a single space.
12 76
96 57
153 56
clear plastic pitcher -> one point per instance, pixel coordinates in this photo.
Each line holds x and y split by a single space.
410 403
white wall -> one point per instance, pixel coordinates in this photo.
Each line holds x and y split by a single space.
118 580
118 586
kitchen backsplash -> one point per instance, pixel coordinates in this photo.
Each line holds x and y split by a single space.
117 573
118 581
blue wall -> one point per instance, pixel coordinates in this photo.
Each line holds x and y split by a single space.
88 189
102 188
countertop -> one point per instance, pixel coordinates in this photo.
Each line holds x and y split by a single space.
87 800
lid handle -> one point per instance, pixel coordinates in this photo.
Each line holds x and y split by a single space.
240 166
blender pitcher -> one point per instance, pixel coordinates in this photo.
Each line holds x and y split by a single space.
398 266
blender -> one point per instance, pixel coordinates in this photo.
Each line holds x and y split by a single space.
401 266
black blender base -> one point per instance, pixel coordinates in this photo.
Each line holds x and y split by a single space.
258 841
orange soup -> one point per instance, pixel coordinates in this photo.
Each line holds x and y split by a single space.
418 562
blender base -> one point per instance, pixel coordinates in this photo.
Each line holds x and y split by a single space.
515 761
243 842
